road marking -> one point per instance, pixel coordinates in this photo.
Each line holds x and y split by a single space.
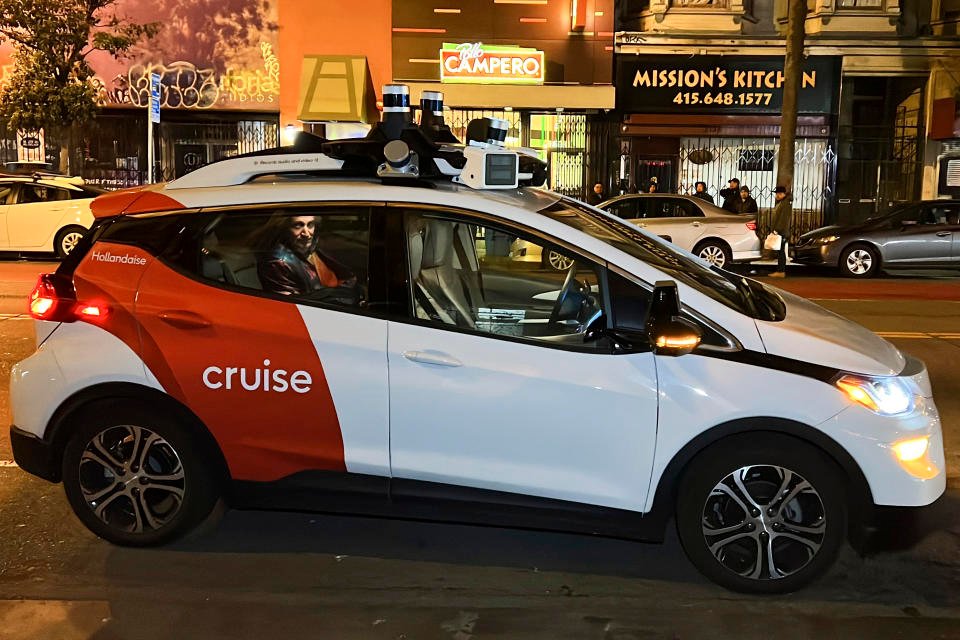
918 335
8 463
15 316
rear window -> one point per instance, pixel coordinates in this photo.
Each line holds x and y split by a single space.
152 233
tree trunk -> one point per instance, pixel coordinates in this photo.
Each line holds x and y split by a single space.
792 69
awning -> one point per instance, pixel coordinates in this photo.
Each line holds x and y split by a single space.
519 97
336 89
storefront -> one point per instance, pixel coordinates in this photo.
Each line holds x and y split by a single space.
710 118
545 69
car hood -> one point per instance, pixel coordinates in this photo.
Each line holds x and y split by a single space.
810 333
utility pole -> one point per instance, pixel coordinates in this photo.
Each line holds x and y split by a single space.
792 69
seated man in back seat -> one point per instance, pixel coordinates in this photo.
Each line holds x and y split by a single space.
290 263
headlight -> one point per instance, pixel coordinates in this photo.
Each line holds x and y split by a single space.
886 396
827 239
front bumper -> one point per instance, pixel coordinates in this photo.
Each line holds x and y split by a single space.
817 254
34 455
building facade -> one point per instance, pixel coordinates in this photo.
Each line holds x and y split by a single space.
545 67
699 89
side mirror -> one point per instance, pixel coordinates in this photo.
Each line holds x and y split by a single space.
670 334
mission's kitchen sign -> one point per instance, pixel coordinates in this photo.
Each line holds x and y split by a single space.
721 84
477 63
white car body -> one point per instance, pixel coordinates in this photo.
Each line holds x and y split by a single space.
412 401
34 226
691 224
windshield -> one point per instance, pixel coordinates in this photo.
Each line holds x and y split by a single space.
741 294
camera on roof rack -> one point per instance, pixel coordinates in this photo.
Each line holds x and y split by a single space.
490 168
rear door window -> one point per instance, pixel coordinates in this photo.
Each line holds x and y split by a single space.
314 255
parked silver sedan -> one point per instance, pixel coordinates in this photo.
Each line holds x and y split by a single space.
707 231
918 234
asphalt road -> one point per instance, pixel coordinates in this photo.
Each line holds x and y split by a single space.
273 575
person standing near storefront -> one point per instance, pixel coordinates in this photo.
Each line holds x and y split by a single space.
781 222
745 203
700 191
596 195
731 195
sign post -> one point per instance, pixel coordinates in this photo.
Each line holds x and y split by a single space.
154 119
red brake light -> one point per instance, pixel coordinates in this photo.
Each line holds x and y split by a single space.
752 225
54 299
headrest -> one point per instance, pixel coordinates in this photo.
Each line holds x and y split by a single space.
415 236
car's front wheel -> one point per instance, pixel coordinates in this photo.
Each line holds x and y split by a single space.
137 477
859 261
67 239
762 514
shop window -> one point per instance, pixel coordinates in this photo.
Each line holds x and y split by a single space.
317 256
756 160
861 4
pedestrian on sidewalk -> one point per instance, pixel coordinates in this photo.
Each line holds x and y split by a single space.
745 203
701 192
731 195
781 222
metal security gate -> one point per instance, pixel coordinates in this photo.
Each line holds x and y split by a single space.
754 161
185 146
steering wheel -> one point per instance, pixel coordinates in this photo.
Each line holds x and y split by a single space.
568 284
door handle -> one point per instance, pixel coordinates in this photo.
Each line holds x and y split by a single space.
696 224
184 319
432 357
943 234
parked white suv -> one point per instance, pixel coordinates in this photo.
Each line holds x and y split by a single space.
281 331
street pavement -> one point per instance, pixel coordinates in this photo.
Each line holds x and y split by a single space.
257 574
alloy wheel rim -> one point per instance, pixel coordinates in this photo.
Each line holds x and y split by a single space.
132 479
764 522
559 261
69 242
859 261
714 255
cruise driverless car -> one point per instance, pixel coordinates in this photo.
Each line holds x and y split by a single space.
703 229
187 353
44 213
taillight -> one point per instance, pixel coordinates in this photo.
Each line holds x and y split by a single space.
752 225
55 299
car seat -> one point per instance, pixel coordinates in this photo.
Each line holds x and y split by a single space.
439 291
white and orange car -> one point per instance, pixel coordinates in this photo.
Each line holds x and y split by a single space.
186 353
44 213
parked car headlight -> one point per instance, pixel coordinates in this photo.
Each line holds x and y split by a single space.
827 239
885 396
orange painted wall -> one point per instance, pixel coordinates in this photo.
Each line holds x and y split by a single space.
331 27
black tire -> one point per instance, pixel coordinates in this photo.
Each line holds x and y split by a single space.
859 261
178 452
730 559
716 252
66 239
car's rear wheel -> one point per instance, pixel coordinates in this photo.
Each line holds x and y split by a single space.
67 240
137 477
556 261
859 261
714 252
762 514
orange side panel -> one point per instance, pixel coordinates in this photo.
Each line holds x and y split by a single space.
181 327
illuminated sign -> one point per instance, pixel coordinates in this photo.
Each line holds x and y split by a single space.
473 62
722 84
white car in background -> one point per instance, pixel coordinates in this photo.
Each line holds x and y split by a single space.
44 213
709 232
